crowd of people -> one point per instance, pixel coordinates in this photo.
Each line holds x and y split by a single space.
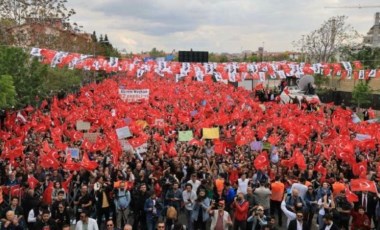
272 166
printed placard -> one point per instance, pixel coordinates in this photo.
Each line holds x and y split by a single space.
91 137
134 95
82 125
123 132
74 152
211 133
185 135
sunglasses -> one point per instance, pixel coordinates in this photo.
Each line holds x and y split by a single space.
161 226
260 210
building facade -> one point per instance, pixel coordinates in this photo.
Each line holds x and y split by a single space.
373 36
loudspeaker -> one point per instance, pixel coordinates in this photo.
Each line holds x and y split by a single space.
192 56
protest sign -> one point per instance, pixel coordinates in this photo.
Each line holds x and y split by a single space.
91 137
125 146
74 152
185 135
81 125
142 148
133 95
210 133
123 132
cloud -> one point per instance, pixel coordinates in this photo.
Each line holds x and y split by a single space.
212 25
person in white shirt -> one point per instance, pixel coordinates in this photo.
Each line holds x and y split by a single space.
289 214
325 204
86 222
243 184
194 182
189 197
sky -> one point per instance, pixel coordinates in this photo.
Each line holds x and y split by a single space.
216 26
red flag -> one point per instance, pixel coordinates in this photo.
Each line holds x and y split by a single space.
357 65
16 191
261 161
351 197
87 164
46 197
273 139
219 146
32 181
172 150
48 161
300 159
319 168
65 184
288 163
363 185
360 168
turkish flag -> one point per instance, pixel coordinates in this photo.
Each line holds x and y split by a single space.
195 142
32 181
46 197
357 64
300 159
261 161
319 168
351 197
48 161
273 139
87 164
16 191
172 150
241 139
65 184
219 146
360 168
363 185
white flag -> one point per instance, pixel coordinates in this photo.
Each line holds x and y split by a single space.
361 74
281 73
372 73
262 76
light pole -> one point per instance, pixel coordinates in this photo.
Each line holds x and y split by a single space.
303 59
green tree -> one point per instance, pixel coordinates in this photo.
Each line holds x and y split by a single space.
368 56
156 53
39 10
320 80
54 83
7 91
322 44
28 75
361 94
94 37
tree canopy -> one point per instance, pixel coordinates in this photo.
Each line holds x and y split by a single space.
324 43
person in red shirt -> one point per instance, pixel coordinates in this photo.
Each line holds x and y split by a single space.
360 220
241 212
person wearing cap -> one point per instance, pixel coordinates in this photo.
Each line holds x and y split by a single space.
220 219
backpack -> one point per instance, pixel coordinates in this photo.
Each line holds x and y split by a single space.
171 213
